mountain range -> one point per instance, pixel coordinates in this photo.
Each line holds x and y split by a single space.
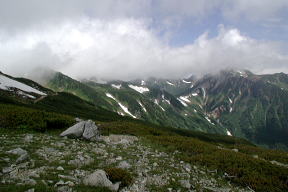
234 103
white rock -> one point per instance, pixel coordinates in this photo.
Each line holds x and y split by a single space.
91 131
185 183
60 168
99 178
124 165
75 131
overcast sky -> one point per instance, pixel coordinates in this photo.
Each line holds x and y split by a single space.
128 39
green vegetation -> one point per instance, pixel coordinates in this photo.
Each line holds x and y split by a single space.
242 169
119 175
14 117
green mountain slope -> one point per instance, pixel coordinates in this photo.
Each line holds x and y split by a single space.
154 105
248 105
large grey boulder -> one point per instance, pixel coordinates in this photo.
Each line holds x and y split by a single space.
91 131
75 131
99 179
84 129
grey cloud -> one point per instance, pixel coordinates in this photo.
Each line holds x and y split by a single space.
128 49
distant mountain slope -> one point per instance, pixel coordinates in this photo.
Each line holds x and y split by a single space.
248 105
135 99
237 103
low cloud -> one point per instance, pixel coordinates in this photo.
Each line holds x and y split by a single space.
128 49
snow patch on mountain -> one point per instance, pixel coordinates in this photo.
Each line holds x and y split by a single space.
25 94
188 82
124 108
142 82
144 109
230 100
157 103
116 86
209 120
7 83
169 83
194 94
139 89
185 98
167 101
228 133
182 102
204 92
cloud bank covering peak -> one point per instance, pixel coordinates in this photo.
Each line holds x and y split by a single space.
116 40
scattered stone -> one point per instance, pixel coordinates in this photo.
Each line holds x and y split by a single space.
255 156
7 170
119 158
155 164
99 178
124 165
60 168
21 152
64 189
185 184
30 190
28 138
99 151
77 119
30 182
69 183
61 182
235 150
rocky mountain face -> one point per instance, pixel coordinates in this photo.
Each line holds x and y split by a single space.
236 103
125 147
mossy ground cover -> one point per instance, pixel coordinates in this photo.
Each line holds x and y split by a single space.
207 150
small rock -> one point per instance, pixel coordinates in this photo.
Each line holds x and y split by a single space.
155 164
119 158
30 190
124 165
17 151
185 183
7 170
28 138
64 189
69 183
61 182
60 168
235 150
99 178
30 182
255 156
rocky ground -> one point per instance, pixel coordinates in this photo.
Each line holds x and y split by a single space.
47 162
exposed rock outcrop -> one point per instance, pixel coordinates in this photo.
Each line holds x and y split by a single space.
84 129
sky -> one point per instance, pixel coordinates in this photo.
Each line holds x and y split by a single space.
132 39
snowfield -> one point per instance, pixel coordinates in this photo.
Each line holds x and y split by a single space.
169 83
6 83
124 108
188 82
139 89
116 86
